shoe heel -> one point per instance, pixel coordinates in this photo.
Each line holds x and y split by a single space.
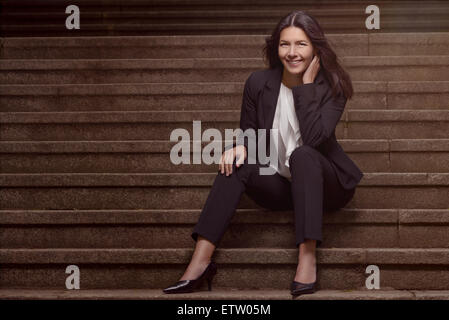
209 284
211 277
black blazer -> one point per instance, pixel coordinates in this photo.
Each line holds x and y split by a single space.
317 111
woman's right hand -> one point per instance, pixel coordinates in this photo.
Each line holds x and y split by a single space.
227 159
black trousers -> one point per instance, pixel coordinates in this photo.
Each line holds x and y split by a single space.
314 188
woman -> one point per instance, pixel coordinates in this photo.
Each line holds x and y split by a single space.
302 94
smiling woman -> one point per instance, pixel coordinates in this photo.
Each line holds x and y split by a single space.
294 43
296 52
303 94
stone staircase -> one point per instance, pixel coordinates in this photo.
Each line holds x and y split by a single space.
86 177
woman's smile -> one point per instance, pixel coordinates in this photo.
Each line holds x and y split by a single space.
294 63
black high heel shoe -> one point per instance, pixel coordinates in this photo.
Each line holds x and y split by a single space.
299 288
187 286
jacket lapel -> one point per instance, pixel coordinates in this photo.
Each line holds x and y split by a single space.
271 94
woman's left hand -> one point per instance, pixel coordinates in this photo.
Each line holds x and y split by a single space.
312 70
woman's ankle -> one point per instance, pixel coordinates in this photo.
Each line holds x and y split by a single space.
194 270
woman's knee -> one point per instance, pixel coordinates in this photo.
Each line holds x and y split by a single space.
245 170
302 154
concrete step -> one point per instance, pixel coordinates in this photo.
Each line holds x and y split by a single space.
272 14
224 15
102 18
219 294
214 46
362 68
227 20
327 17
211 29
153 156
397 25
156 125
188 5
190 191
201 95
252 228
255 268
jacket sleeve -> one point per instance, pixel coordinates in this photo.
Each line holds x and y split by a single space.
248 115
318 115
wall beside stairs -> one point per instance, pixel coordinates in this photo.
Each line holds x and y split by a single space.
85 122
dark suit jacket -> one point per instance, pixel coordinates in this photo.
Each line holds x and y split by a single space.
317 111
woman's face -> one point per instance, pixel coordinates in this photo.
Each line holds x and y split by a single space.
295 50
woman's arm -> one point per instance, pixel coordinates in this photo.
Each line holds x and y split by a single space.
317 117
248 114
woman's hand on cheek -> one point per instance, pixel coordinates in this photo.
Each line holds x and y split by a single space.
312 70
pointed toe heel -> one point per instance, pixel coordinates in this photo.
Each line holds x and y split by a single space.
298 288
187 286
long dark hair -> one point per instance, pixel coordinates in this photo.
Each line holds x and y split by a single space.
333 71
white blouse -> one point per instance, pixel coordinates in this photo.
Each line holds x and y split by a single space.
289 136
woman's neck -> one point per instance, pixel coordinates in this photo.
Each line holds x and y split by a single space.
291 80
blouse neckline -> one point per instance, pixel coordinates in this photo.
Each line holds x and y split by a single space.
282 84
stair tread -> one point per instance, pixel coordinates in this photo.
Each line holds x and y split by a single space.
159 116
193 179
258 256
218 293
387 22
234 12
185 216
204 63
416 87
417 38
164 146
